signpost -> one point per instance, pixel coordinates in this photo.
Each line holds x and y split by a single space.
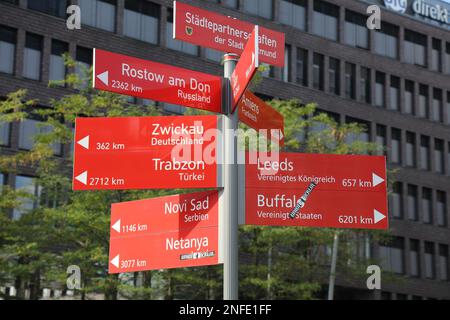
258 115
146 153
212 30
151 80
245 69
339 191
167 232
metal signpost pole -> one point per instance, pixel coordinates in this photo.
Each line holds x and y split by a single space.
230 191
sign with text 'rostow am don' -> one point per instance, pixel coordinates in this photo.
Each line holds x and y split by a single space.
155 81
315 190
167 232
161 152
212 30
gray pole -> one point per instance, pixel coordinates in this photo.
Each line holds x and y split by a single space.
333 267
229 194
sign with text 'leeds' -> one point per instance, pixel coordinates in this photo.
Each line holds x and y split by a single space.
212 30
155 81
316 190
145 153
167 232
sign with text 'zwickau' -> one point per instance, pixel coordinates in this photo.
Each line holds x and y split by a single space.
315 190
167 232
212 30
155 81
145 153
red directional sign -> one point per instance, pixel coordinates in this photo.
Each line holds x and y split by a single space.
316 190
151 80
226 34
245 69
259 115
168 232
145 153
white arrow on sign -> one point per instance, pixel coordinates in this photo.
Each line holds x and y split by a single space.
115 261
116 226
378 216
84 142
82 178
104 77
376 180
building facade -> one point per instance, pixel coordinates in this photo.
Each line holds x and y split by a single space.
395 81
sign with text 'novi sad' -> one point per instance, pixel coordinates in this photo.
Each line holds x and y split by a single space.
245 69
167 232
258 115
155 81
315 190
161 152
212 30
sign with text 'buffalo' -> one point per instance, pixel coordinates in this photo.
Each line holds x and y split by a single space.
212 30
167 232
315 190
145 153
155 81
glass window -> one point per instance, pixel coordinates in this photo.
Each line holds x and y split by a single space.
364 85
392 256
415 48
350 80
262 8
386 40
396 201
379 90
2 181
287 63
447 57
57 67
410 149
437 106
318 71
99 13
443 262
174 108
178 45
334 76
32 57
441 208
356 32
293 13
414 255
363 136
423 101
26 184
396 141
302 67
5 129
427 206
412 203
429 260
213 55
448 107
141 20
409 97
439 155
29 128
84 62
424 153
8 41
436 62
229 3
53 7
394 94
381 137
325 20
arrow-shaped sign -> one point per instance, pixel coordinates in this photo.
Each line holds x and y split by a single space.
116 226
82 178
376 180
104 77
115 261
84 142
378 216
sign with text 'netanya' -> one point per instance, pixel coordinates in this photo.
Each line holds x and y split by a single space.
223 33
156 81
167 232
161 152
315 190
